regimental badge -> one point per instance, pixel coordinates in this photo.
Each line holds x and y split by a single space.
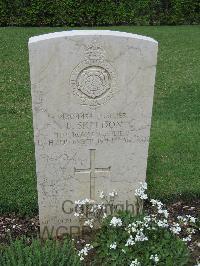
94 79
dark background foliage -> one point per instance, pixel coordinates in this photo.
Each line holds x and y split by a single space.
98 12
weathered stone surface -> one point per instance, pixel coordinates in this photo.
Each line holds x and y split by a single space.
92 95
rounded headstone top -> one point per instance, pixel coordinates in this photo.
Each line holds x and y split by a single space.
72 33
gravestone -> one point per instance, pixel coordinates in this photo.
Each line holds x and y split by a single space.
92 95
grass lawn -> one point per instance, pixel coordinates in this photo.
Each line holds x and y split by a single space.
174 154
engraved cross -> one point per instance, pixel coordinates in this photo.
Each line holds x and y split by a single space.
92 172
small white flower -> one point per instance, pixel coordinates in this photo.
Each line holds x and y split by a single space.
147 219
179 217
164 212
83 202
191 230
135 263
154 258
89 223
143 185
102 195
183 220
89 246
76 214
187 219
116 222
187 239
98 207
131 228
113 245
140 237
156 203
162 224
104 215
84 251
176 229
139 222
113 193
124 251
130 241
140 193
192 219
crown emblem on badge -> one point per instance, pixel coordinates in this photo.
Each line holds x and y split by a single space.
94 51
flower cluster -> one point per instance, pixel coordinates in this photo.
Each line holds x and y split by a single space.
140 192
136 231
113 194
187 239
89 223
140 237
186 219
101 196
87 208
83 202
135 263
116 222
162 224
154 258
175 228
130 241
84 252
113 245
188 222
80 206
159 206
139 230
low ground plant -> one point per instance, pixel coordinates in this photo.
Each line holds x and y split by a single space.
26 252
139 241
122 238
144 239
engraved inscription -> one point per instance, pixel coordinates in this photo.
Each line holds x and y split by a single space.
88 128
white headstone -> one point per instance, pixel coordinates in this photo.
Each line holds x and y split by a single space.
92 95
